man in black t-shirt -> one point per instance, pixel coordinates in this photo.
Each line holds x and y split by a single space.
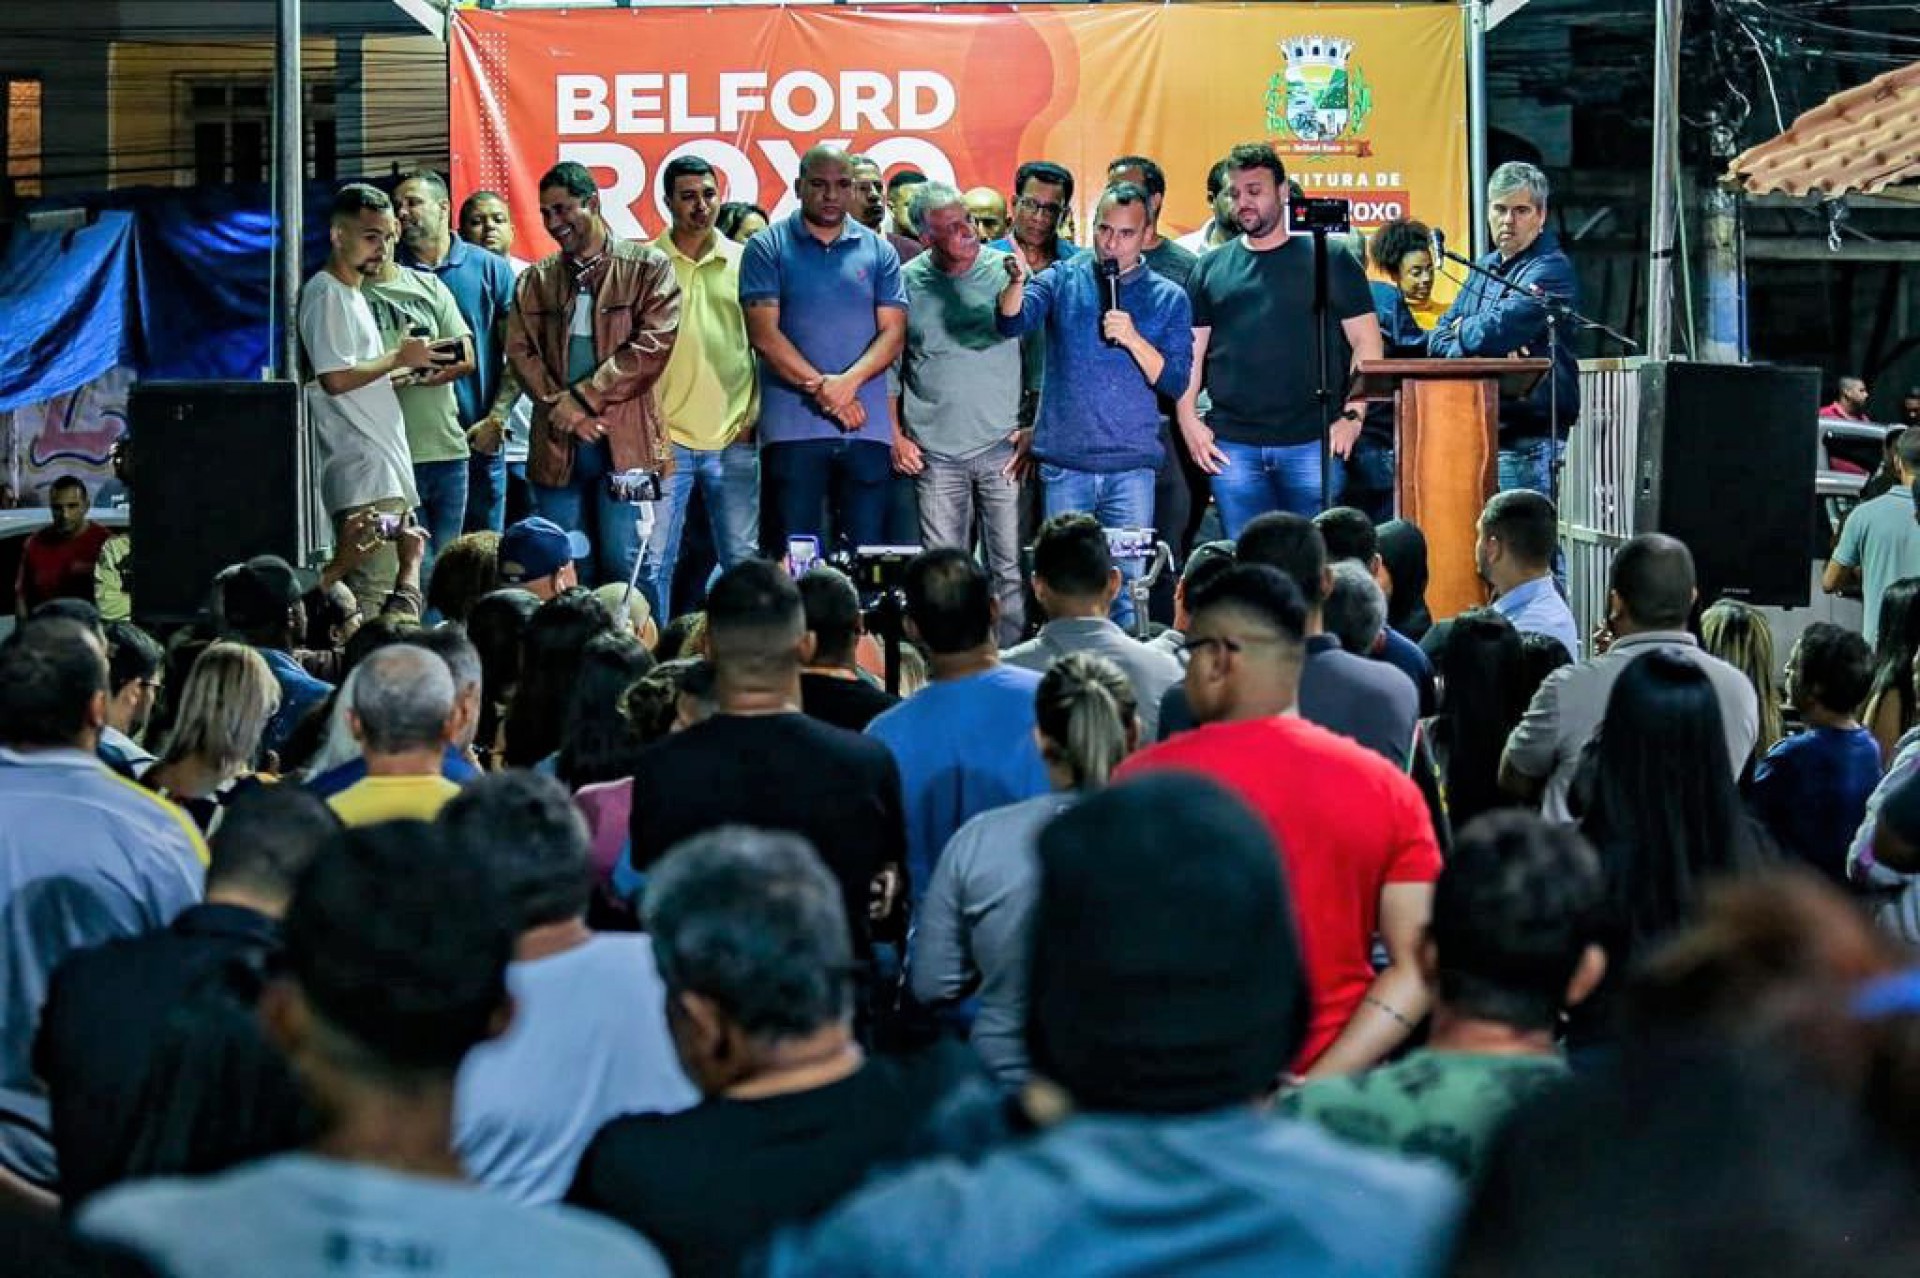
759 761
832 688
1253 352
748 930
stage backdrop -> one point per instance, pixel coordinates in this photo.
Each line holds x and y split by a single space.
1365 102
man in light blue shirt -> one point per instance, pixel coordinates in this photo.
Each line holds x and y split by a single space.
965 743
1519 530
86 856
1880 542
827 313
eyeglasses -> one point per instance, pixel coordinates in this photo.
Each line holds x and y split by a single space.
1200 643
1027 204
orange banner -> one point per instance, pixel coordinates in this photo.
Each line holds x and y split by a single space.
1364 102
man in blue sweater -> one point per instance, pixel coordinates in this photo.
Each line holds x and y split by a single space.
1490 318
1097 436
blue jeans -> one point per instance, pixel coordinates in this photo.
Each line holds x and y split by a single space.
443 504
729 483
1122 499
806 477
1529 463
1259 479
584 505
1370 478
487 492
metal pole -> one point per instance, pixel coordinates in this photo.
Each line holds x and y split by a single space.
1666 156
1477 122
1722 221
289 185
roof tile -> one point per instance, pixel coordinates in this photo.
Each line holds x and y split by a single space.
1863 139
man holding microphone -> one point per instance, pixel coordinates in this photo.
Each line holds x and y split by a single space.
1116 335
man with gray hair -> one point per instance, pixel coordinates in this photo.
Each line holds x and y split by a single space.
402 714
1356 608
959 402
1503 315
751 938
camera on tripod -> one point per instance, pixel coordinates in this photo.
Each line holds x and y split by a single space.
634 486
1319 214
878 570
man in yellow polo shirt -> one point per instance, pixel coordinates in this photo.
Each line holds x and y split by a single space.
709 393
402 707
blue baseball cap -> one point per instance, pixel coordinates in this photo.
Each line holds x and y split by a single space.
535 548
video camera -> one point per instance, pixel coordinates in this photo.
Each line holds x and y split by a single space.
878 570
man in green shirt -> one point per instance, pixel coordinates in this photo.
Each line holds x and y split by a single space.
408 303
1512 943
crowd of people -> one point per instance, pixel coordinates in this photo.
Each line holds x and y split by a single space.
502 899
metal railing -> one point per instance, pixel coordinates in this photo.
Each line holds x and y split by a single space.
1597 485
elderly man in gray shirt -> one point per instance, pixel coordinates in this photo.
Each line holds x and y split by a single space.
1650 592
959 397
1075 580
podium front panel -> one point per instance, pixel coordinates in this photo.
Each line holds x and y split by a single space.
1448 460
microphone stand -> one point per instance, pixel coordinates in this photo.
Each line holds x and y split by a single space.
1557 312
1323 391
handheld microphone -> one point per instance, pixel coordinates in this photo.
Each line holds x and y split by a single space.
1109 294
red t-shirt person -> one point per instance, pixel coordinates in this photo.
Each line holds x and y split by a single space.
57 562
1347 824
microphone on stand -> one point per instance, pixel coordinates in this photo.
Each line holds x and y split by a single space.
1109 294
1439 246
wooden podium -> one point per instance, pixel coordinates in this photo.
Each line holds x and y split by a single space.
1446 456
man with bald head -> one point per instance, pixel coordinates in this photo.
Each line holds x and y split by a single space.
827 313
402 716
1650 592
987 209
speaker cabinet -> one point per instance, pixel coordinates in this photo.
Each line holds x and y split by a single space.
1727 459
219 475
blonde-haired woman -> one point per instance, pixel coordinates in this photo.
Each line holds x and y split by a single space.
1739 635
972 929
229 697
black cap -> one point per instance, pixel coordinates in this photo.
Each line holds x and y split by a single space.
259 591
1166 977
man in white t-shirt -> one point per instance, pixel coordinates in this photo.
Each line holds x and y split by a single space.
589 1039
351 402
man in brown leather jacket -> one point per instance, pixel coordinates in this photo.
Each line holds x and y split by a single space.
590 333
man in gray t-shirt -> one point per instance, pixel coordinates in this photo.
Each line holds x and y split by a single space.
1880 542
960 396
375 1017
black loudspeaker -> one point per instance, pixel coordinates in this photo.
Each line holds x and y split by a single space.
217 478
1727 456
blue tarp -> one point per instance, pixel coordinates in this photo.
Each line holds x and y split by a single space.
172 282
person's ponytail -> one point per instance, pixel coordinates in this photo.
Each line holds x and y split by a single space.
1085 710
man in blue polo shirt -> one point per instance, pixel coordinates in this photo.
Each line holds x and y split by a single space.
827 313
482 288
1519 531
1097 436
